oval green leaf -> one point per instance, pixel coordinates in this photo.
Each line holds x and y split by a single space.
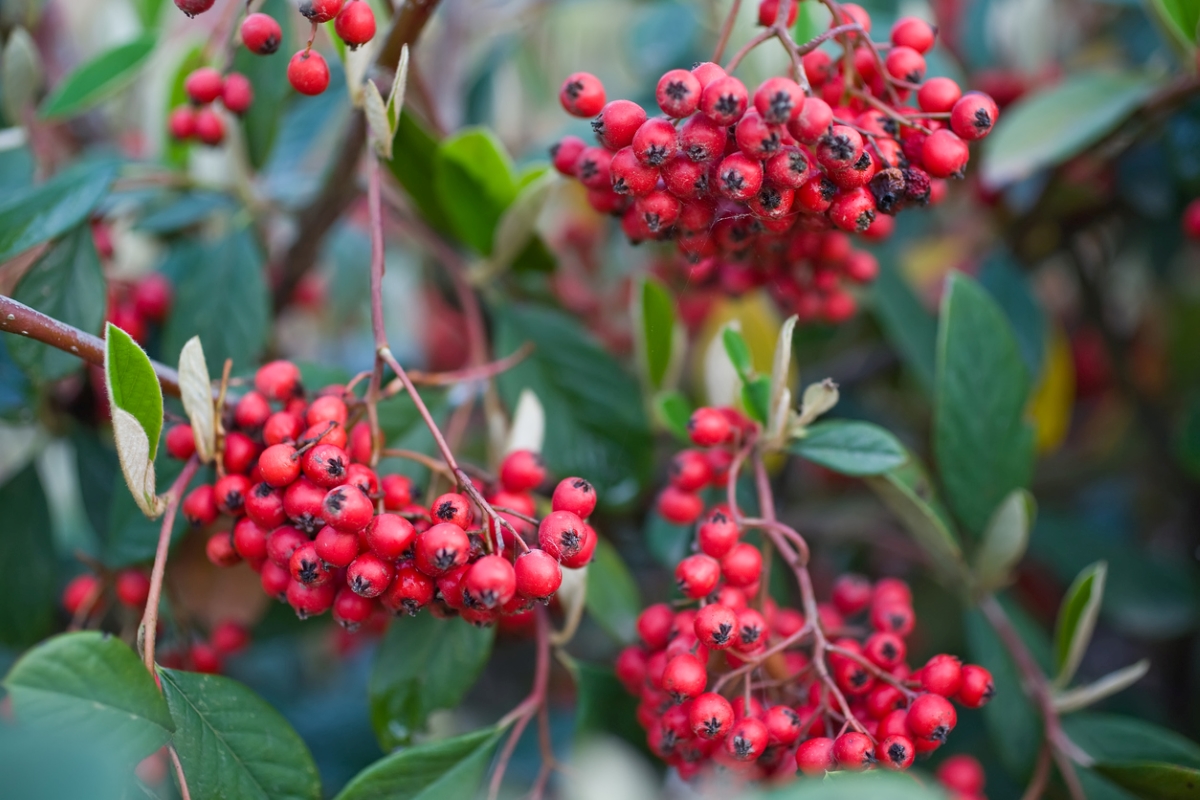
1153 780
1077 619
1115 738
28 599
473 178
91 684
232 743
612 594
451 768
672 410
655 331
40 213
738 351
98 79
1005 540
851 448
133 384
1046 128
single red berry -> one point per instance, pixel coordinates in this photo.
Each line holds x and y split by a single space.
194 7
210 130
724 101
893 617
851 593
347 509
325 465
895 723
397 491
783 725
905 64
701 139
587 549
678 93
275 580
812 122
303 503
973 116
891 591
133 587
854 751
962 773
582 94
229 637
942 675
715 626
630 669
679 507
306 566
815 756
326 409
320 10
181 442
1191 220
861 267
772 203
241 453
779 100
230 493
654 625
593 167
442 548
685 178
852 678
355 25
717 534
944 154
789 168
977 687
575 495
282 426
768 12
491 581
839 147
938 95
238 94
451 507
895 752
522 470
411 590
278 380
739 177
390 536
706 72
747 739
816 196
742 565
203 85
690 471
628 175
219 550
697 575
310 601
684 677
282 542
565 153
561 534
538 575
853 211
617 122
912 32
261 34
756 138
654 142
308 73
369 575
204 658
885 650
279 465
751 630
883 700
351 610
336 548
250 540
710 716
931 717
152 297
364 478
181 123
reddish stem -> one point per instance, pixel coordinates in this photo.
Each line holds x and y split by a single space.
150 615
726 30
529 707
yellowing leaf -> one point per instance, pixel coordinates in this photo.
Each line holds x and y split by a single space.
1052 399
759 322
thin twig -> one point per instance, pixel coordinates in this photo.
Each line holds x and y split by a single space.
150 615
726 30
183 787
527 708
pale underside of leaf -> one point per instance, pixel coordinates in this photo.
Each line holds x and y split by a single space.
377 120
1083 696
528 424
133 450
196 392
395 103
722 384
779 376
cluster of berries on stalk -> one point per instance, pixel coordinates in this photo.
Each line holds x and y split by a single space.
199 119
739 682
134 307
298 502
744 183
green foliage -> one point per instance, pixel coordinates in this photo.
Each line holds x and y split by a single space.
654 310
851 448
1004 540
39 213
1149 761
27 594
414 151
672 410
62 765
424 664
909 494
233 744
1077 619
99 79
668 543
66 283
603 706
447 768
92 685
613 599
133 384
473 178
983 446
908 326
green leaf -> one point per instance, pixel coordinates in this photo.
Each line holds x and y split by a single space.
738 351
473 178
1010 288
672 410
62 765
450 768
1111 738
1151 780
44 212
99 79
220 296
414 151
845 785
1005 540
268 77
655 331
667 542
604 707
148 11
594 410
27 594
91 684
424 664
908 492
909 328
756 397
1180 21
983 446
851 447
232 743
1046 128
612 594
1077 620
67 284
1081 697
133 383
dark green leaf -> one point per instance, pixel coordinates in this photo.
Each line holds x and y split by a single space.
594 411
450 768
983 446
233 744
1180 20
91 684
27 594
1077 619
62 765
908 492
1113 738
45 212
673 411
910 329
473 178
414 151
221 297
133 384
67 284
1046 128
268 76
738 351
98 79
535 257
1151 780
423 665
756 397
182 211
604 707
612 594
654 311
667 542
1010 288
851 448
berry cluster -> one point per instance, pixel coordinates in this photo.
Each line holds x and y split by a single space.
325 532
199 119
744 184
134 307
819 691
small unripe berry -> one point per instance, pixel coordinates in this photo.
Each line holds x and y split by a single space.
355 25
538 575
261 34
308 73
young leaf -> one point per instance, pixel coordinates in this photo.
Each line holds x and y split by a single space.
28 598
395 103
195 388
450 768
983 446
1118 681
378 124
136 402
1005 540
656 333
612 593
21 73
98 79
673 411
423 664
91 684
737 350
40 213
756 397
232 743
1076 621
908 492
528 430
517 226
473 179
818 398
851 448
781 366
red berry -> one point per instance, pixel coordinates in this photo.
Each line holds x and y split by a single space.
853 210
364 478
203 85
977 687
336 548
630 668
747 740
851 593
654 142
768 12
133 587
812 122
442 548
575 495
451 507
685 178
275 580
410 591
325 465
582 94
905 64
701 139
593 167
815 756
885 650
152 297
742 565
914 33
973 116
684 677
962 773
892 617
710 716
944 154
717 534
587 549
490 582
1191 220
204 658
678 93
938 95
250 539
230 493
194 7
538 575
751 630
310 601
281 427
617 123
347 509
690 471
779 100
397 491
715 626
895 752
861 267
561 534
755 137
628 175
327 409
522 471
219 550
282 542
654 625
724 101
706 72
261 34
895 723
308 73
942 675
303 503
181 442
852 678
739 177
697 575
209 128
783 725
930 718
306 566
229 637
278 380
679 507
883 700
355 25
351 610
238 94
789 168
320 10
181 123
564 153
241 453
854 751
390 536
369 575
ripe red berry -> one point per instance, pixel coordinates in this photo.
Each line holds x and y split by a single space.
938 95
325 409
277 380
756 138
308 73
587 549
885 650
219 550
697 575
717 534
742 565
779 100
347 509
629 176
261 34
203 85
905 64
715 626
839 147
962 773
812 122
325 465
364 478
200 505
654 625
973 116
390 536
442 548
275 580
181 123
685 178
250 540
194 7
894 617
930 719
854 751
1191 220
654 142
355 25
397 491
882 700
209 128
451 507
351 610
336 548
241 453
678 93
617 123
593 167
238 94
861 267
977 687
369 575
895 752
181 442
747 739
912 32
561 534
942 675
538 575
278 465
490 582
522 470
564 154
306 566
132 587
281 427
320 10
724 100
575 495
789 168
768 12
303 503
204 658
411 590
710 716
701 139
630 668
851 593
751 630
282 542
582 94
853 211
739 177
944 154
815 756
684 677
310 601
229 637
